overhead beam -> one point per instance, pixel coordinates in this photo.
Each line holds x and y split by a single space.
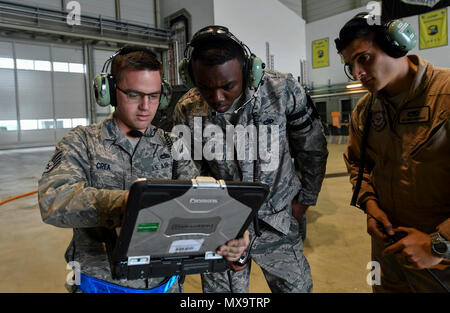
83 36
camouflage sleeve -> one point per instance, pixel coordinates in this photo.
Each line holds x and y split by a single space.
352 158
181 115
307 142
187 170
65 196
179 112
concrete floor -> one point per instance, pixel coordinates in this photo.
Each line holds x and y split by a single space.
31 258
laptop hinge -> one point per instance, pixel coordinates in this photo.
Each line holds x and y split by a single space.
208 182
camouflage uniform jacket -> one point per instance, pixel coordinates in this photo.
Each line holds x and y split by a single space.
84 184
280 103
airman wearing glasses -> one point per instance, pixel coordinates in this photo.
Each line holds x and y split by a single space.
85 185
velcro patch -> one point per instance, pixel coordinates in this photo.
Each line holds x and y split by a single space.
54 162
415 115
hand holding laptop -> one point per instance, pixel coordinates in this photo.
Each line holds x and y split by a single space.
233 249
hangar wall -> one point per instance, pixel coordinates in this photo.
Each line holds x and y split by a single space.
201 12
260 21
329 28
45 79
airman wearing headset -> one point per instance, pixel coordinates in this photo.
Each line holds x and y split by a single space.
85 185
400 144
230 88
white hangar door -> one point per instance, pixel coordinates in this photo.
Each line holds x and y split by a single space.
42 93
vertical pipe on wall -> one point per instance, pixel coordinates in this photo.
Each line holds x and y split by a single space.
156 12
16 91
52 86
117 6
88 53
176 63
87 79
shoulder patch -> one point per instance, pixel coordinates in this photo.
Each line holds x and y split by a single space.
54 162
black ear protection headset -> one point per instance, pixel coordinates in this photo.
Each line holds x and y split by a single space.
105 83
253 67
395 37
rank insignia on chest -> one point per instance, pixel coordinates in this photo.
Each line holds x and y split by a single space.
378 120
268 121
164 156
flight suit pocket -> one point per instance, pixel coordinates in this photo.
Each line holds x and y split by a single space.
435 145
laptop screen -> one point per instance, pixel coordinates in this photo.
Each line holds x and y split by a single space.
168 219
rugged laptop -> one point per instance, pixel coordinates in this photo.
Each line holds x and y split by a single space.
175 226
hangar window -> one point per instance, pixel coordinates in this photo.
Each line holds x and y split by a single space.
79 121
76 68
60 66
25 64
46 124
10 125
42 65
6 63
28 124
43 124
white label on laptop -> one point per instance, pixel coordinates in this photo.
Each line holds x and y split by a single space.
209 255
138 260
188 245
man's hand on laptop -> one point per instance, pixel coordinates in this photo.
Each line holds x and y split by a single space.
233 249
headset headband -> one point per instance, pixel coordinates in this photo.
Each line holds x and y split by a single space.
253 67
395 37
219 33
105 85
124 51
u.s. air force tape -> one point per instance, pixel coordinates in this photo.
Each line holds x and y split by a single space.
54 162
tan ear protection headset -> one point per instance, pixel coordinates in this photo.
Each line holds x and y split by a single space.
105 83
253 68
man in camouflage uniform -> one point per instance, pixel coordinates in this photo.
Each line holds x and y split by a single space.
221 98
85 185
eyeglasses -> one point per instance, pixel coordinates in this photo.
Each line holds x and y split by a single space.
138 97
348 69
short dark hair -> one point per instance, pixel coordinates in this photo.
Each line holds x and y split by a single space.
356 28
134 58
217 51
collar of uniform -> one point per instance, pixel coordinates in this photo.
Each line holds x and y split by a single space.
420 82
112 132
245 99
110 129
422 78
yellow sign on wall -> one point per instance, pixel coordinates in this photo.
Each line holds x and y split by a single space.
433 29
320 53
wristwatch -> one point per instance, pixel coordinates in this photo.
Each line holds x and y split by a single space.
440 246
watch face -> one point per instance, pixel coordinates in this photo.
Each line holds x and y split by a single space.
440 247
